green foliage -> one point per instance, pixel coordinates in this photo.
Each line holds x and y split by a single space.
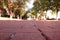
17 12
6 2
45 4
37 6
21 3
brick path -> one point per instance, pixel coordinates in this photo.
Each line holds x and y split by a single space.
29 30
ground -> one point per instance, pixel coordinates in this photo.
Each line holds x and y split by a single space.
29 30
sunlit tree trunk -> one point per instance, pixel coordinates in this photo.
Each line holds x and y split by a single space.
22 13
10 8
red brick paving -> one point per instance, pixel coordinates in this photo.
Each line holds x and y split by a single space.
30 30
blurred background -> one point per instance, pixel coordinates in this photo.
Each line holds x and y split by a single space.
30 9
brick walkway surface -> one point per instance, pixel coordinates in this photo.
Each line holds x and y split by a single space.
29 30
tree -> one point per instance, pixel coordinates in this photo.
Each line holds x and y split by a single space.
22 4
39 7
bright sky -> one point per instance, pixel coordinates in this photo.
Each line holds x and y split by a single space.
14 0
29 4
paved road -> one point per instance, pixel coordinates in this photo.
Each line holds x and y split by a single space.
29 30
